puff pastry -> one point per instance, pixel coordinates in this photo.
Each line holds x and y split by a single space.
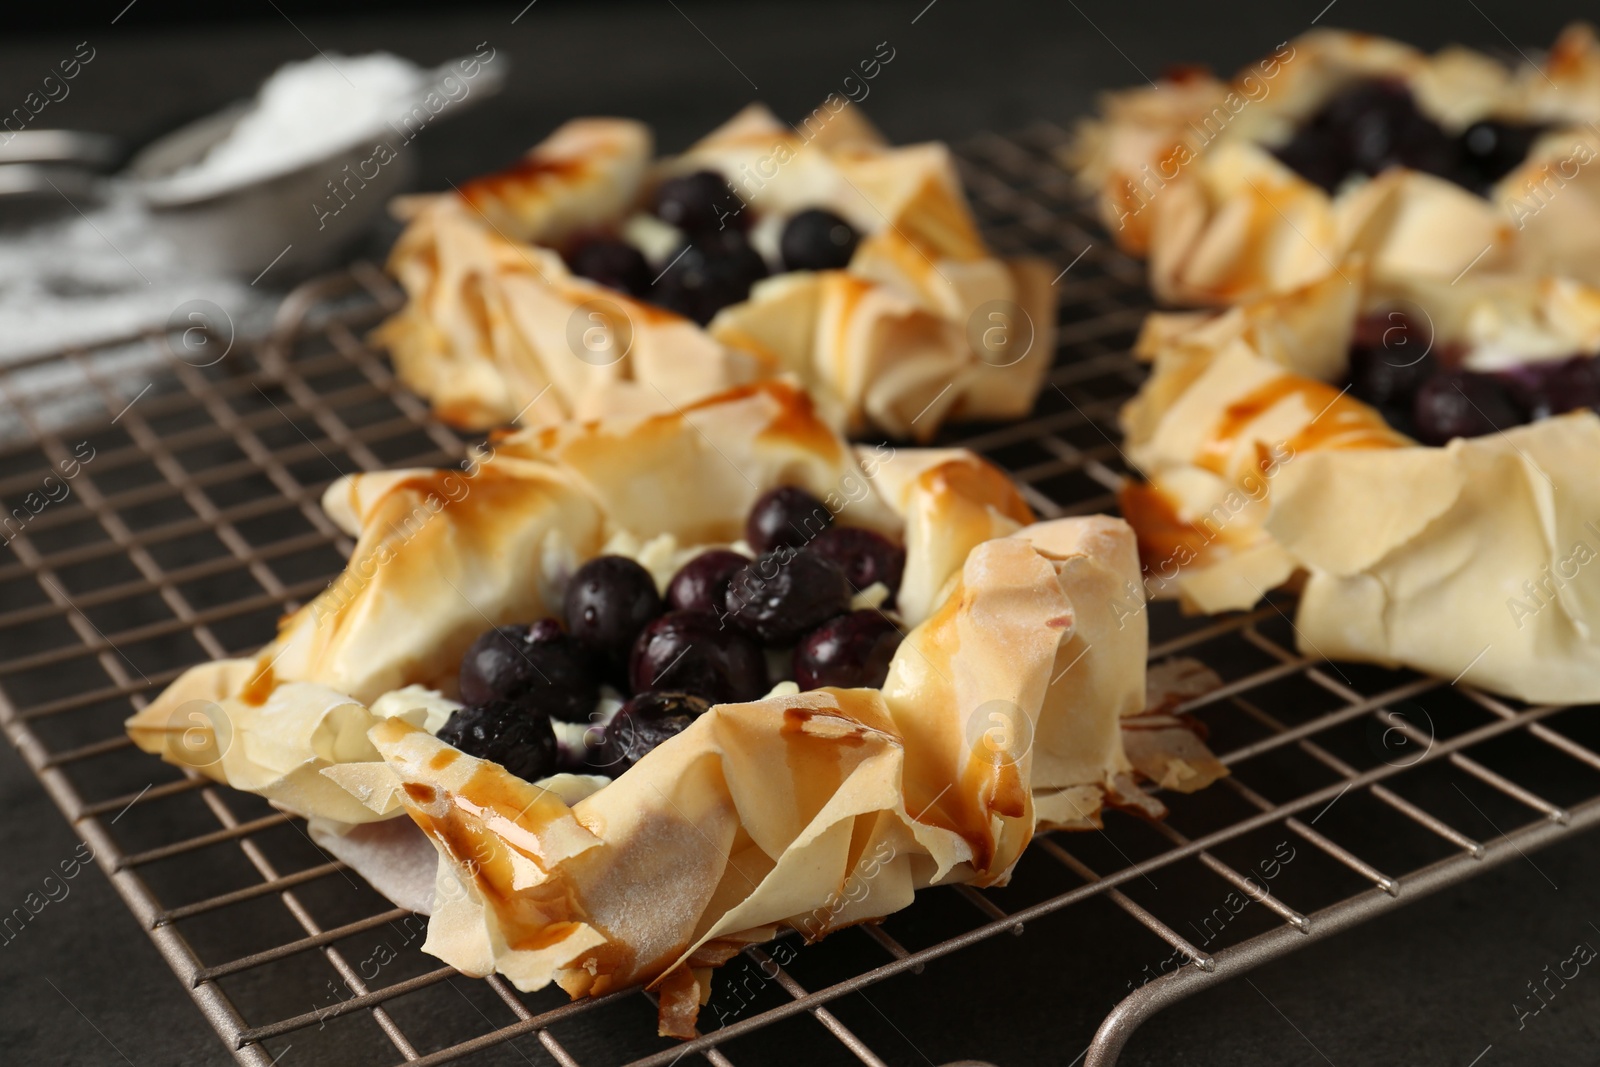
1005 707
924 325
1185 173
1467 560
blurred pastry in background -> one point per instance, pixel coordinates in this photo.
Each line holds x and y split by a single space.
1341 144
591 279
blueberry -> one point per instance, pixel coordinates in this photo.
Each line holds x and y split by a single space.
505 732
640 725
1382 128
1320 149
697 203
1376 124
698 585
1389 361
849 651
612 263
1462 404
817 240
690 652
1554 387
783 594
538 665
1571 385
785 517
1491 149
1392 330
864 556
1367 128
1319 159
714 270
608 602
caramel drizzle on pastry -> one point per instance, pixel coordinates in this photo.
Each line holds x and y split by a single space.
1161 534
259 687
1568 57
849 291
795 422
817 761
1340 422
522 179
493 814
962 481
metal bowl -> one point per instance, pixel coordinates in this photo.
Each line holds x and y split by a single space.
296 220
48 173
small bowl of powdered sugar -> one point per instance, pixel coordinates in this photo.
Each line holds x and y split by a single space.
293 177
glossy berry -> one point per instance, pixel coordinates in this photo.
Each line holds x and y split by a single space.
1385 129
1383 380
864 557
1389 361
613 263
699 584
817 240
785 517
538 665
608 602
848 651
783 594
1462 404
698 203
716 269
1319 159
1392 332
1491 149
504 732
642 724
690 652
1375 124
1554 387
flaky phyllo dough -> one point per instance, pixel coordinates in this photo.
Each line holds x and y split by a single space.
925 325
1472 560
1006 706
1181 175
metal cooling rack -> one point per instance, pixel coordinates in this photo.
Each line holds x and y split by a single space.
196 524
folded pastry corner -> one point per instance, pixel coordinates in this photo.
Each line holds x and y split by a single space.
921 324
1471 561
1341 144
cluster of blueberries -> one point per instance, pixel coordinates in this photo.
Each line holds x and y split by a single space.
1375 124
717 266
706 643
1427 395
1367 128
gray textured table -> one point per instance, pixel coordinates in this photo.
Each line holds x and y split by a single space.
1432 984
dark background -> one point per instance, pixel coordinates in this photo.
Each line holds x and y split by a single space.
964 67
1432 984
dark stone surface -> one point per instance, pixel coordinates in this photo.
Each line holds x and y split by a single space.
1430 984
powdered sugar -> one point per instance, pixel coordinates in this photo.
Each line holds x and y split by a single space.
92 278
304 112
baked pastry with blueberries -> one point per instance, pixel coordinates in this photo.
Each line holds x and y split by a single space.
589 279
1341 144
1419 457
588 654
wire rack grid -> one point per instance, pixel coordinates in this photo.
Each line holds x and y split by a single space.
194 524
